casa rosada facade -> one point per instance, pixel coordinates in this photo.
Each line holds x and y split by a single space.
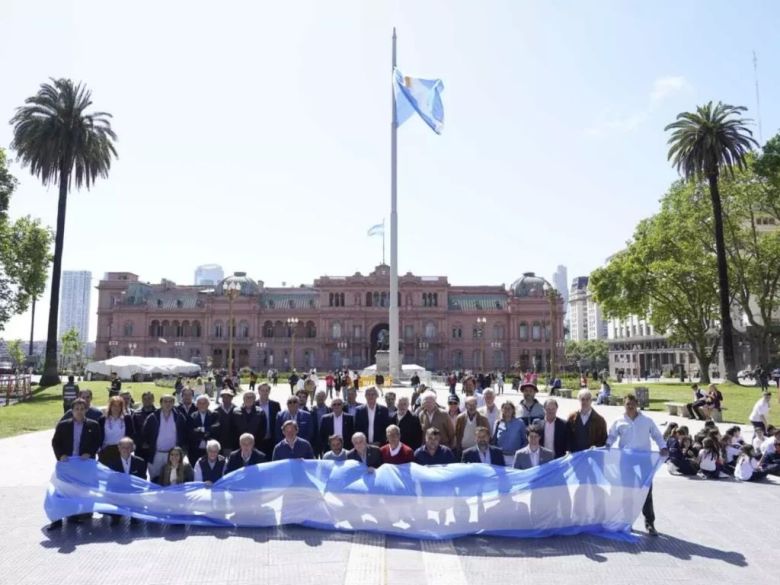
336 322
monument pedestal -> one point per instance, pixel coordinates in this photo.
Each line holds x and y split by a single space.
382 358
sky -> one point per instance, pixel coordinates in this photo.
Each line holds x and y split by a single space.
256 135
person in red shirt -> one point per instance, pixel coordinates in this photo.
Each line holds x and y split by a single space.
394 451
329 379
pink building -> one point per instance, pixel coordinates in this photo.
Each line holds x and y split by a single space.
341 320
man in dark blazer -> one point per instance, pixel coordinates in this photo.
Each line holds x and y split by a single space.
187 406
336 422
369 455
301 417
245 455
587 428
377 413
226 432
155 446
409 423
271 409
139 418
127 464
555 431
250 419
76 436
483 451
202 425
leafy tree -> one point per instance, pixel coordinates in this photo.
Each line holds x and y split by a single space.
62 144
16 351
702 144
72 349
668 276
7 185
589 353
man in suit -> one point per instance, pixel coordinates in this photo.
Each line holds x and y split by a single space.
201 427
128 464
433 452
139 417
372 418
586 427
483 451
187 406
300 417
555 431
404 419
245 455
318 410
432 417
76 436
466 425
336 422
226 433
271 409
250 419
533 454
292 446
368 455
163 430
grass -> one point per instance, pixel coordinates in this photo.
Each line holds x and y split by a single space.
44 409
738 400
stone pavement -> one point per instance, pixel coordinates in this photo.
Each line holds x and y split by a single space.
712 531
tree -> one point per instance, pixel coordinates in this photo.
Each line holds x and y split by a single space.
667 275
62 144
7 186
72 349
702 144
16 352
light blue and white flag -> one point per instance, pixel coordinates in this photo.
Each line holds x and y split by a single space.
597 491
377 230
418 95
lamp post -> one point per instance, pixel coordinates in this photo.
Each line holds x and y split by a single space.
343 346
232 289
178 345
261 345
481 321
131 347
423 345
496 345
292 322
112 344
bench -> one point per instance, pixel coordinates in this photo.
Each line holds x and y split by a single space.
717 415
564 392
676 409
615 400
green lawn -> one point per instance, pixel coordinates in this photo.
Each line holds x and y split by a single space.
45 408
738 400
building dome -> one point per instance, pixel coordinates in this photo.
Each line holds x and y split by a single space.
529 285
248 286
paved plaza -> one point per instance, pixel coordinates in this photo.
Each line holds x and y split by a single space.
711 531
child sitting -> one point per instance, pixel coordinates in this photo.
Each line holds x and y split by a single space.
710 462
746 468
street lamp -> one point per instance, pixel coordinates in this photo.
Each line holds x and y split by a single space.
496 345
131 347
261 345
111 344
343 347
292 322
232 289
481 321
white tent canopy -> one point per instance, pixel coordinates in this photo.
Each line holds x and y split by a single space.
127 366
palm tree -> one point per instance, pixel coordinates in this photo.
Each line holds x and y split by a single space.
702 144
64 145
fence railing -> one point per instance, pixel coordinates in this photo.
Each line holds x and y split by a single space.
15 387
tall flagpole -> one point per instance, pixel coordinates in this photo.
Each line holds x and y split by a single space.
395 369
383 240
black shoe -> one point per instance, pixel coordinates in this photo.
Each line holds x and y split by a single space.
56 525
651 529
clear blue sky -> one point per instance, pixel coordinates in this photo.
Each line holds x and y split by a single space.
256 134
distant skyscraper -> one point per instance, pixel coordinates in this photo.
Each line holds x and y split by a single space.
209 274
75 295
560 281
585 318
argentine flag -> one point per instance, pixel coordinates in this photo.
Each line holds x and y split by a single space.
418 95
377 230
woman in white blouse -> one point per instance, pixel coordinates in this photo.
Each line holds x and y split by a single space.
114 425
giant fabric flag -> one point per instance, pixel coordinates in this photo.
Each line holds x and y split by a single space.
418 95
597 491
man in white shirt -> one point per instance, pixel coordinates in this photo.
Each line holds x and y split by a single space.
760 413
490 411
634 431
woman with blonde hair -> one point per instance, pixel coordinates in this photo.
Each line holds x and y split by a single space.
114 425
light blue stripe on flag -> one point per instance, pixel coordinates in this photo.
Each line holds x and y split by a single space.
418 95
376 230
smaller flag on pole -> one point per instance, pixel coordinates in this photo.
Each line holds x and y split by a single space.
162 340
418 95
377 230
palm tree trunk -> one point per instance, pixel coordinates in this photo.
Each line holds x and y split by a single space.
51 374
32 328
727 328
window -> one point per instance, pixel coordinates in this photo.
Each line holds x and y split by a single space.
498 332
357 331
128 329
268 329
218 330
408 300
536 331
457 332
522 330
196 328
335 330
243 330
408 331
311 329
330 300
368 300
430 330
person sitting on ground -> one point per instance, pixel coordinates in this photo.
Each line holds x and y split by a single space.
682 459
337 451
769 440
432 452
710 462
770 461
246 455
748 466
394 451
211 466
176 470
533 454
368 455
509 434
670 430
292 446
758 439
604 393
698 439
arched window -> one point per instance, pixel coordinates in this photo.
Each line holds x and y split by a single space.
408 299
268 329
154 328
335 330
177 330
376 299
311 329
536 331
166 329
186 331
522 330
368 300
196 328
243 330
330 299
430 330
218 329
281 330
341 299
128 329
435 299
498 331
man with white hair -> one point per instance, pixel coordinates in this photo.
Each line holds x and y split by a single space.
368 455
432 417
411 431
490 411
211 466
202 426
245 455
587 428
466 426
